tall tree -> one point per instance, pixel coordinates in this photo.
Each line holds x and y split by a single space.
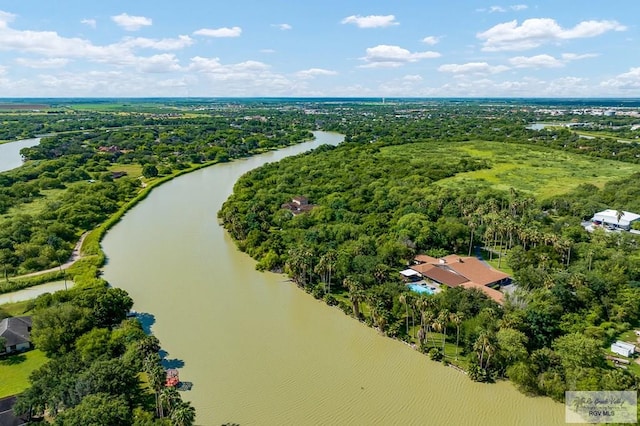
183 414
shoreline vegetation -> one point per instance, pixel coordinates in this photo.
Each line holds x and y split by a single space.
391 192
136 362
326 252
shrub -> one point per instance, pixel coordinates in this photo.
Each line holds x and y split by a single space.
435 354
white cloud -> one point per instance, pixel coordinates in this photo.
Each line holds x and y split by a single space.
626 81
413 77
371 21
267 51
283 27
42 63
89 22
384 56
214 66
163 44
315 72
502 9
162 63
431 40
575 56
547 61
56 51
131 23
219 32
5 18
249 78
535 32
473 68
538 61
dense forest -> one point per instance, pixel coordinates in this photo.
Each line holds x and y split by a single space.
387 193
416 177
74 181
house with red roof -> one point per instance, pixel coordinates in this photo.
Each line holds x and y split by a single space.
461 271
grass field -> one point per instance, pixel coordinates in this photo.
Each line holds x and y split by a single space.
38 204
538 170
133 170
15 371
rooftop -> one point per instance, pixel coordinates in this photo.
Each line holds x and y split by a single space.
16 330
493 294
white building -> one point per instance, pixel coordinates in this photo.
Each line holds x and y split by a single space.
623 348
612 219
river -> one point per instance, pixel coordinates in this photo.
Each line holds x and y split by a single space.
10 157
35 291
260 351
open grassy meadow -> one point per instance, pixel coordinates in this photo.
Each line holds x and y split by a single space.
538 170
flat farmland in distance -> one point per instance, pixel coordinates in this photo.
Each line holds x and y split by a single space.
539 170
21 106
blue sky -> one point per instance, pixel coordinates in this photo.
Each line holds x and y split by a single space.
364 48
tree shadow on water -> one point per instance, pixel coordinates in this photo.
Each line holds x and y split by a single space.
146 320
170 362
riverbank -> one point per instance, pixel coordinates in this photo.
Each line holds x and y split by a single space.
263 352
87 256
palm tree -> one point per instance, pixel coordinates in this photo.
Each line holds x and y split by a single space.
356 294
480 345
471 223
322 269
381 273
403 299
295 265
443 317
429 318
590 254
331 258
436 323
457 318
183 414
169 397
157 377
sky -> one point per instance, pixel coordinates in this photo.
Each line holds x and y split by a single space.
319 48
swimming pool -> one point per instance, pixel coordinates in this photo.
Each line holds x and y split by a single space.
420 289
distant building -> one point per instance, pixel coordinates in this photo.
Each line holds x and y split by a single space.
623 348
614 219
298 205
118 174
16 332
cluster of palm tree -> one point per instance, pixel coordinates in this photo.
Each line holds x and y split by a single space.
434 319
169 403
507 224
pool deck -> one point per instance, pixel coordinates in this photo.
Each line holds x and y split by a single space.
435 288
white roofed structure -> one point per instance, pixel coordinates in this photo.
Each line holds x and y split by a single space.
409 273
623 348
615 218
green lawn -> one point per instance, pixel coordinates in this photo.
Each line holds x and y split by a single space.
133 170
36 206
539 170
495 261
15 371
